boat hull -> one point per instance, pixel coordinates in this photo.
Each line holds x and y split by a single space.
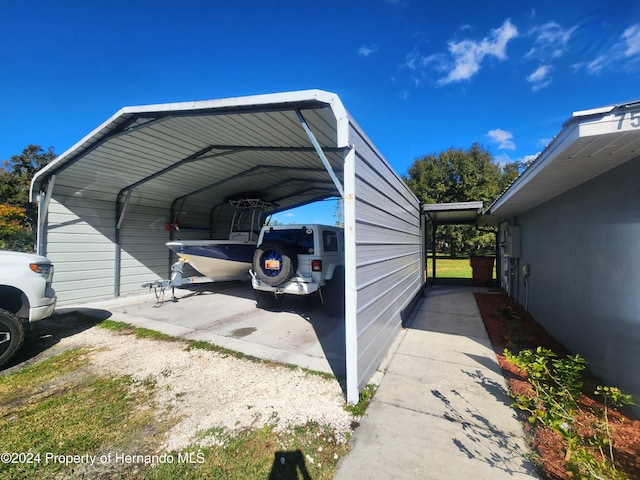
219 260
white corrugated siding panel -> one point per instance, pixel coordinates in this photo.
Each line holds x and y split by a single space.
144 255
388 254
81 246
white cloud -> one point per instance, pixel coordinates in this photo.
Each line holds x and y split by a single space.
550 41
366 50
543 142
504 158
468 54
503 138
597 65
540 78
624 54
631 39
414 61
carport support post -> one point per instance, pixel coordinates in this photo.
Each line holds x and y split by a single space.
351 292
43 211
118 255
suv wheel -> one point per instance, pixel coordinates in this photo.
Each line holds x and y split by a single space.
267 300
11 335
274 263
333 294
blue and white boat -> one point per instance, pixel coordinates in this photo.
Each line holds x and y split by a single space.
220 260
224 260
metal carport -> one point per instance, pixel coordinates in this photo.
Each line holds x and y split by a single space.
105 204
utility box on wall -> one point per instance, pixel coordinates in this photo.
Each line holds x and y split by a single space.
510 241
509 254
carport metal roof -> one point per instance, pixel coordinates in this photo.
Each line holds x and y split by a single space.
590 143
289 147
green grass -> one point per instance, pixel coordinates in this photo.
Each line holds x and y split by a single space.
451 268
363 401
125 328
59 408
306 451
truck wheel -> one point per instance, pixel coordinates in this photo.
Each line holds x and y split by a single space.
11 335
333 294
267 300
274 263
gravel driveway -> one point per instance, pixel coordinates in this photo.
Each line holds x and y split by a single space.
199 388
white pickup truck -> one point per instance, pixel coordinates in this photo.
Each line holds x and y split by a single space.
26 296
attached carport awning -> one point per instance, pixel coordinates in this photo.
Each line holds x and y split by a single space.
458 213
467 213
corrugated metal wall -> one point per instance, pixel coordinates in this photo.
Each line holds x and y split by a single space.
80 243
384 257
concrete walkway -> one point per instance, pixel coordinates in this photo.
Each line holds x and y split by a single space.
441 410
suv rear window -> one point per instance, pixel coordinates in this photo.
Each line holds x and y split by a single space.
330 241
300 239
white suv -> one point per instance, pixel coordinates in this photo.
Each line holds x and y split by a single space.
26 296
299 260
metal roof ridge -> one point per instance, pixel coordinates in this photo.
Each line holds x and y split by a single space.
124 114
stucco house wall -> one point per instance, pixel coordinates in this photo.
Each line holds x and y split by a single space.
584 283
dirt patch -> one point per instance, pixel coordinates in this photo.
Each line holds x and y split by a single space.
522 331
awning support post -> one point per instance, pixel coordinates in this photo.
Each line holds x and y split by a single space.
433 252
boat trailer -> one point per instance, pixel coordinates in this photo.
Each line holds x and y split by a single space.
160 287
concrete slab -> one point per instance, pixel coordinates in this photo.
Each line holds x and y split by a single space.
451 323
452 391
400 443
460 350
441 410
225 314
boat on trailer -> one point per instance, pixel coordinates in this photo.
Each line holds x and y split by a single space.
224 260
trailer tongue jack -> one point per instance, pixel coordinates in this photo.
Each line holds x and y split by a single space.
160 287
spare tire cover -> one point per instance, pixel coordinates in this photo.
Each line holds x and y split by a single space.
274 263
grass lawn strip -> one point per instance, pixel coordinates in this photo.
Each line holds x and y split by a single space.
83 424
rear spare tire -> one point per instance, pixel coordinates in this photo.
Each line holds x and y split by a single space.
11 335
274 263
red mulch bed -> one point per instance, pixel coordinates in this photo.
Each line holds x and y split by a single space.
522 332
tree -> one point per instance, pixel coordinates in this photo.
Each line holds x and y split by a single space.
458 175
510 172
18 216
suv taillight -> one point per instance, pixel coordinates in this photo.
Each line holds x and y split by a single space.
316 265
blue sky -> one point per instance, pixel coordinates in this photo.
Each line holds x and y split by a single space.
418 76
